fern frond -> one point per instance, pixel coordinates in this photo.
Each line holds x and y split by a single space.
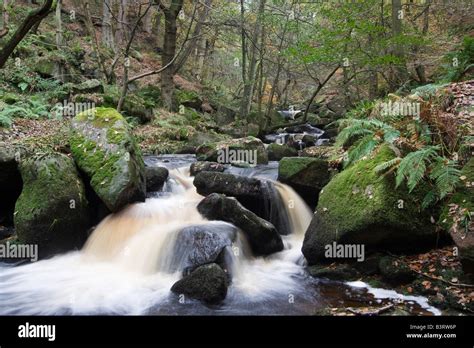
446 176
413 166
430 198
362 148
388 165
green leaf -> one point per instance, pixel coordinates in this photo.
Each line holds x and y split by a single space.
23 86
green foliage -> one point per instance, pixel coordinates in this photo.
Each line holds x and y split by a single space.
373 133
5 120
460 62
413 166
31 108
425 164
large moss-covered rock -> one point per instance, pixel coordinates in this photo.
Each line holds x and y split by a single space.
104 149
306 175
456 217
359 206
211 151
277 151
52 208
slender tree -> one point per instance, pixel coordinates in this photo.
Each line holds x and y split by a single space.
33 18
170 12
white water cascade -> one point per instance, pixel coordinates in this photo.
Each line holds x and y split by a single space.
126 266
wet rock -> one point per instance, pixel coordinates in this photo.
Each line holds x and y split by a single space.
52 208
304 128
155 178
104 149
228 184
205 166
207 283
198 245
261 235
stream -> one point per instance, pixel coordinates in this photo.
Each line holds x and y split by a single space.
132 259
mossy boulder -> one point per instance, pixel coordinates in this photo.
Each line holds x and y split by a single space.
359 206
212 151
456 217
277 151
306 175
45 67
105 150
52 209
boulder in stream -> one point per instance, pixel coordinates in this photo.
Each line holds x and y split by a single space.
198 245
105 150
52 208
207 283
155 178
261 234
205 166
228 184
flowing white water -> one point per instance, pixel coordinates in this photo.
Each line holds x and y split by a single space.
125 266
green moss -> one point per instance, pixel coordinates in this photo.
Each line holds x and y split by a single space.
359 197
104 148
290 166
43 213
101 117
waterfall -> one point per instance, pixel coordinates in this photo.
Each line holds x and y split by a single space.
128 264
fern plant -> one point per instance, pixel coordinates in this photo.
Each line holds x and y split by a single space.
425 164
372 132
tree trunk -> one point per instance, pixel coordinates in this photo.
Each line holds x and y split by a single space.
121 35
107 32
4 19
401 70
169 51
34 17
249 84
192 45
316 91
243 41
419 67
59 70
